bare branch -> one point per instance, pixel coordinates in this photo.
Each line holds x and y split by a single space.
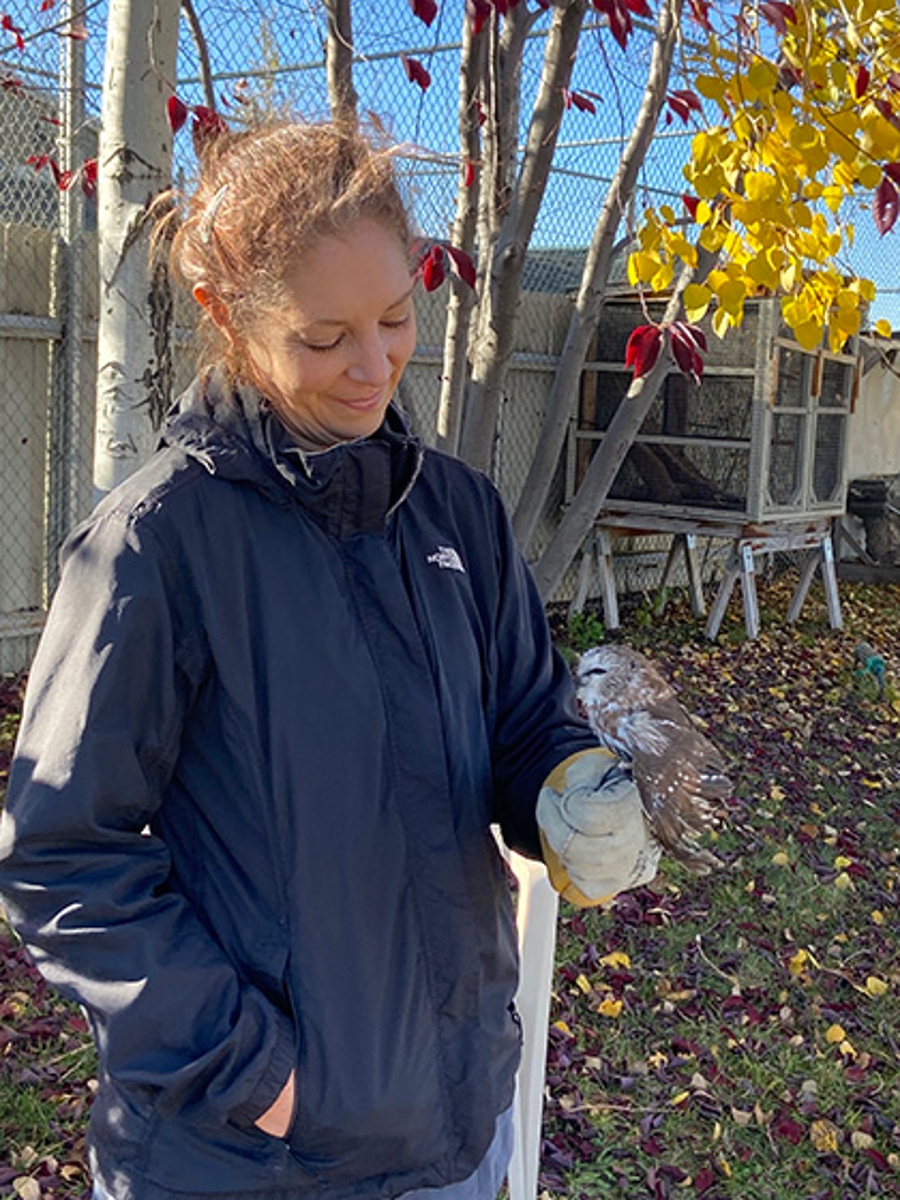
618 440
209 94
594 278
500 298
462 299
342 96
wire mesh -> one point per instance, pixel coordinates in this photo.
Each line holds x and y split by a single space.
264 56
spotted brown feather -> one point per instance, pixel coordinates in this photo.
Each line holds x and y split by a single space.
633 710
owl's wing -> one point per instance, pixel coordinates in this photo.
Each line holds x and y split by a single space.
682 781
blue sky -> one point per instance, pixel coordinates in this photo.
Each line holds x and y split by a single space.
276 45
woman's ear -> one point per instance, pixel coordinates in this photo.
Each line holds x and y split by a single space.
216 308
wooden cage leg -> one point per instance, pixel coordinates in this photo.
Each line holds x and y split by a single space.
807 570
717 612
829 578
695 581
674 548
585 577
748 591
607 580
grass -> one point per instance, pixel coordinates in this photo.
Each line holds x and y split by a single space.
733 1036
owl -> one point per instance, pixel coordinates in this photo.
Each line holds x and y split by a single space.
633 710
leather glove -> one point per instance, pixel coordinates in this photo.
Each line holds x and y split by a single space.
595 840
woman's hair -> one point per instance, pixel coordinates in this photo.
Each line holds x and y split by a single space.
264 197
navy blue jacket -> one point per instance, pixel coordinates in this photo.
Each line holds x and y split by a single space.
279 701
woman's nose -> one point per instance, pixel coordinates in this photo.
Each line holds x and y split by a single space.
373 361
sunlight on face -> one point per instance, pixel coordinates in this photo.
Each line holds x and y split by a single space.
331 357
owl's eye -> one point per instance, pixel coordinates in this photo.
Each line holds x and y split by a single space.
591 671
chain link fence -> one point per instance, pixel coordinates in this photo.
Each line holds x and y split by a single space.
267 55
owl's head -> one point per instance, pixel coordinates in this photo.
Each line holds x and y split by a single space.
617 672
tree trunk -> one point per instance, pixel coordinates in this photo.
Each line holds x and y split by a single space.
564 389
342 97
499 300
135 162
604 466
462 297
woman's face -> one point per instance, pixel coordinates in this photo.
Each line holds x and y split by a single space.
330 359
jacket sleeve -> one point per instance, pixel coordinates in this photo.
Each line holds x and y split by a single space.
85 881
536 725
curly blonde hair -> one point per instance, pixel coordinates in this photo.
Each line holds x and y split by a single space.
263 198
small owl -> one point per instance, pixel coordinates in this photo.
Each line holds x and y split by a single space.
633 710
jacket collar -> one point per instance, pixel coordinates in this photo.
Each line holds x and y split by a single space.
349 489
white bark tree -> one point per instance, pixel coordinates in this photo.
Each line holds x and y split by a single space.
134 164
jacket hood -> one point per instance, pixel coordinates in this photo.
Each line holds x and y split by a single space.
235 434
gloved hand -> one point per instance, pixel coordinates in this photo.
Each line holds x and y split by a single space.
593 833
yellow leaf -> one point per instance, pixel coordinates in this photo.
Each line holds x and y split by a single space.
835 1034
780 859
876 986
27 1188
847 1049
861 1141
877 916
759 186
798 962
608 1007
870 175
711 87
842 861
681 1098
875 784
641 267
843 882
697 298
584 984
563 1028
808 334
883 328
825 1135
616 958
776 792
663 277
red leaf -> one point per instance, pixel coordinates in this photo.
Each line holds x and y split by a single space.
682 102
778 14
206 127
893 170
425 10
619 19
784 1126
468 173
704 1179
887 111
861 83
640 8
433 269
479 109
885 206
177 112
50 120
46 5
643 348
461 264
478 12
38 161
89 177
691 203
11 83
581 102
685 348
415 72
700 13
6 22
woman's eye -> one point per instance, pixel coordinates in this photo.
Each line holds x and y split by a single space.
322 346
396 322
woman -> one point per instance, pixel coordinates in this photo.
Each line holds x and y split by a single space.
294 671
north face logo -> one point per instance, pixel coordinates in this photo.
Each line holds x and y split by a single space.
447 558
